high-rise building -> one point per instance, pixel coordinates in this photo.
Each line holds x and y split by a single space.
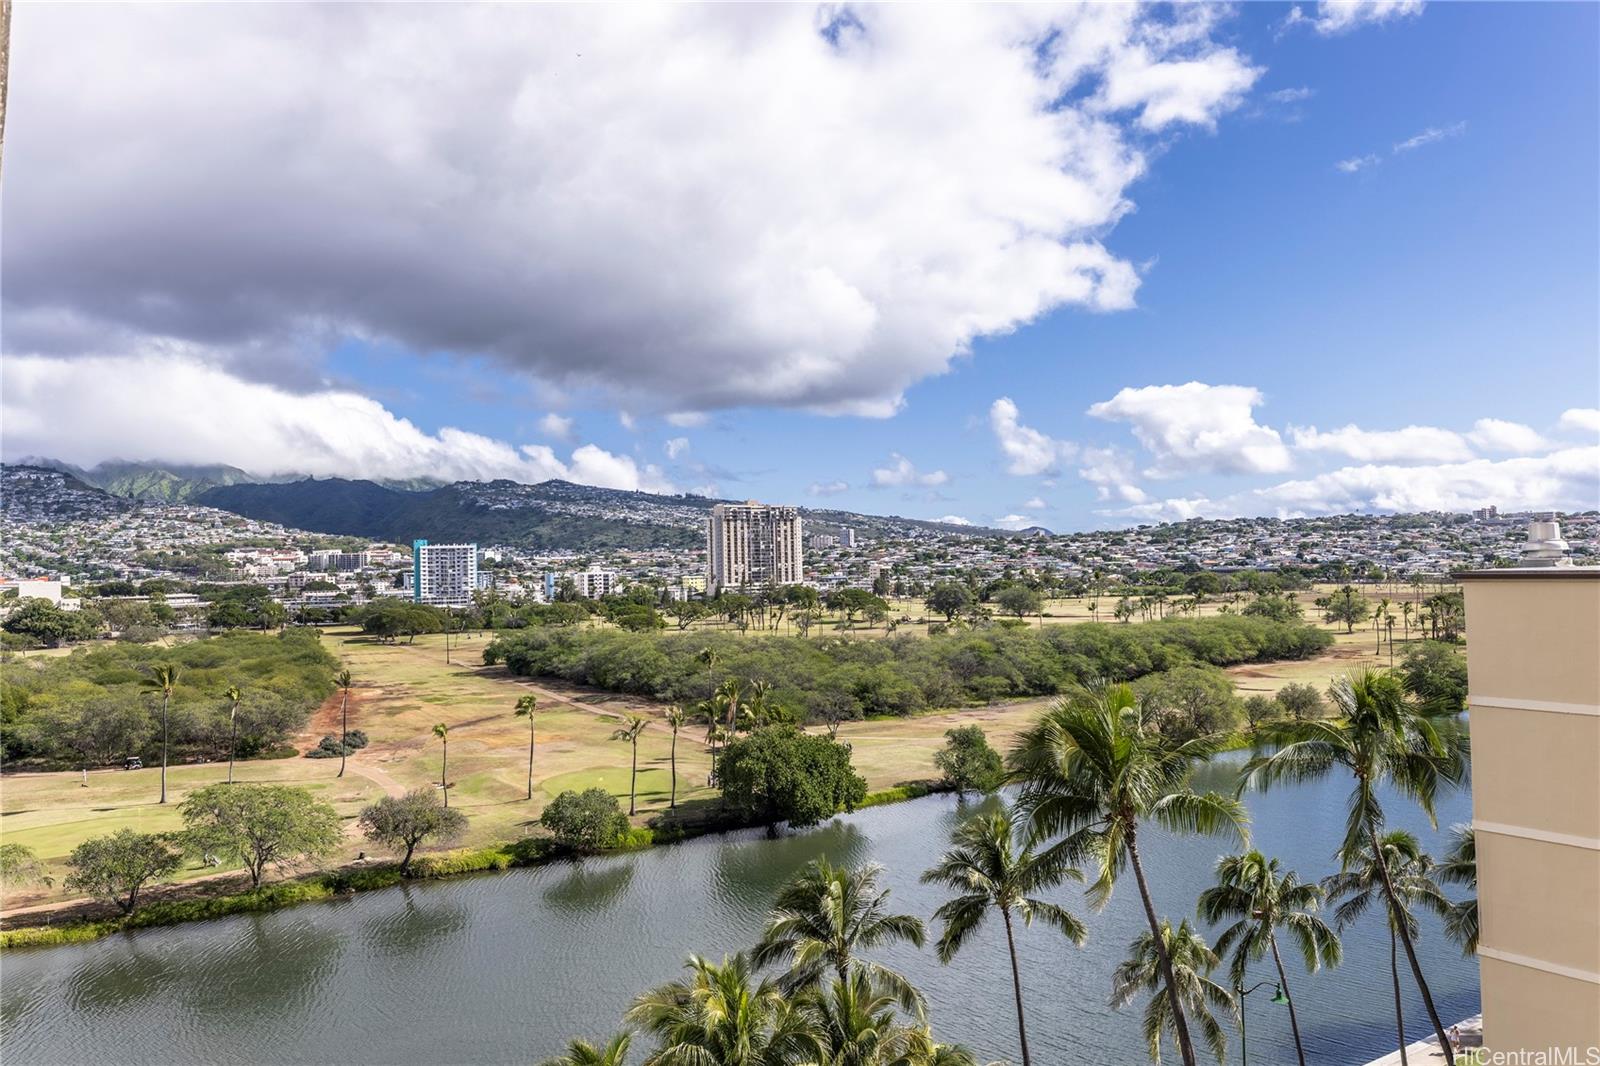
752 544
847 537
444 575
1534 695
591 584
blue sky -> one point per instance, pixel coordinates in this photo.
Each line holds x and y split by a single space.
1448 273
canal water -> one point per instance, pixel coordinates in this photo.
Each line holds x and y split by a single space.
504 968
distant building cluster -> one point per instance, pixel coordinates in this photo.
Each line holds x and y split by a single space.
752 545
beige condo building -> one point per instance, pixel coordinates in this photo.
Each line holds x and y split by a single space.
1533 662
750 545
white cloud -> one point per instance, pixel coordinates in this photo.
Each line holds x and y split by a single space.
260 428
686 419
1581 418
1568 479
549 185
828 488
901 472
1506 438
1198 428
677 446
1426 443
1110 471
1012 521
953 520
1291 96
1027 450
1429 136
1355 163
1341 16
557 426
1035 504
626 420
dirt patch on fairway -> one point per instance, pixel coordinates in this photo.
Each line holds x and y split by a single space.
325 719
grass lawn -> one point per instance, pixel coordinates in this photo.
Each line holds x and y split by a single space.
402 690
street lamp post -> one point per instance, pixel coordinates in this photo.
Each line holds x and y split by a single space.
1240 992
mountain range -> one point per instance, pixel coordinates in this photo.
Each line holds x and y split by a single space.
545 516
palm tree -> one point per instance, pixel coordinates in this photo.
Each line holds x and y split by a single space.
675 720
234 696
709 656
583 1053
824 919
163 678
716 1015
1173 965
630 733
1093 772
1460 867
342 679
442 731
728 697
986 867
1378 735
1251 889
1397 874
854 1024
760 695
525 707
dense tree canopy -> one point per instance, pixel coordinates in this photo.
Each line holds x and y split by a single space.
780 774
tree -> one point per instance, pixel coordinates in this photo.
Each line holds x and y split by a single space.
163 678
1093 774
780 774
20 866
404 822
1436 675
824 919
630 733
1019 600
442 731
1395 873
708 655
1378 735
1260 899
586 821
854 1022
583 1053
1258 709
1275 606
949 598
49 624
1460 867
342 680
261 825
526 705
234 696
675 720
1174 966
1301 701
968 762
116 868
985 866
1346 605
1188 701
719 1015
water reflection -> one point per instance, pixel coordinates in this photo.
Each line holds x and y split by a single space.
583 886
416 925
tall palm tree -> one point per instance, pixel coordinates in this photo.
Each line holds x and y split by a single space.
442 731
1460 867
342 679
630 733
163 679
1378 736
1396 874
728 698
1173 965
825 918
234 696
718 1015
525 708
583 1053
709 656
989 870
675 721
760 697
1093 773
1261 899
